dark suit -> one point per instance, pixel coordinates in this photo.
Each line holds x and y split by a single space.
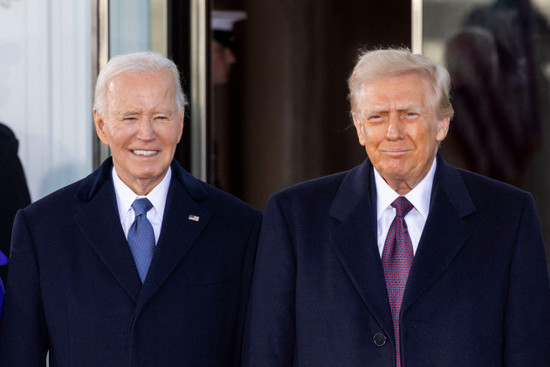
14 193
478 292
74 289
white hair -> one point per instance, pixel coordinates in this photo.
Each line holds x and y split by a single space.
139 62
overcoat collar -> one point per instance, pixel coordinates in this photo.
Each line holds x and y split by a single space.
91 185
99 221
355 239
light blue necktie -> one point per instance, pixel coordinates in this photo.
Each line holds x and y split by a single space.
141 237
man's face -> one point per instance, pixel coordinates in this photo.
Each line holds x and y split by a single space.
222 61
142 125
399 128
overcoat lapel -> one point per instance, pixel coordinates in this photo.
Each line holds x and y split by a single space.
444 233
98 220
355 241
179 232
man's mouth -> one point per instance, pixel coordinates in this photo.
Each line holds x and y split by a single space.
396 151
145 153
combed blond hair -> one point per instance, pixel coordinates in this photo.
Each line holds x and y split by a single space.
383 63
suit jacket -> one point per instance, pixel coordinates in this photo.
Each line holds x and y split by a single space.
477 295
73 287
14 193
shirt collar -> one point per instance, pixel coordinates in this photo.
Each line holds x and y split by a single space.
419 196
125 196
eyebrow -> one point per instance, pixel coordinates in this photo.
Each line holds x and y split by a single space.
377 110
129 113
132 113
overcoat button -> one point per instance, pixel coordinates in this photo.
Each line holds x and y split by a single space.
379 339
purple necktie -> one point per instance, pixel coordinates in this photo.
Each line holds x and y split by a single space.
396 260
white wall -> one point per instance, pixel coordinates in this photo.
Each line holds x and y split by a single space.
45 88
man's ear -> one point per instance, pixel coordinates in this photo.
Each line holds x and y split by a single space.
181 122
360 128
442 128
100 127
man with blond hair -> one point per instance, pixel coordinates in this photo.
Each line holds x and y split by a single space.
403 260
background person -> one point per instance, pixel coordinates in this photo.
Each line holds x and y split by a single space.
14 193
223 45
225 145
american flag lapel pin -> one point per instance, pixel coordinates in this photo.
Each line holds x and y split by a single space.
194 218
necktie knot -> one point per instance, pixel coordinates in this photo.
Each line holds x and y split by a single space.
141 206
402 206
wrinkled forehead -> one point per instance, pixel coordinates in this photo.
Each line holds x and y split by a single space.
422 78
409 97
141 91
158 84
138 78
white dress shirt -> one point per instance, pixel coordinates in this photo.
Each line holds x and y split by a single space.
125 197
415 219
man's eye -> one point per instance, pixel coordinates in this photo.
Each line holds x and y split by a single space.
129 119
376 118
411 115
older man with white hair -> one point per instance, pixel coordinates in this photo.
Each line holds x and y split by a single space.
138 264
403 260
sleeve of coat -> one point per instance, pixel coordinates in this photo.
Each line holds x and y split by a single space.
23 334
269 331
527 323
246 280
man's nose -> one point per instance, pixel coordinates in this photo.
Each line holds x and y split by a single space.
395 129
146 130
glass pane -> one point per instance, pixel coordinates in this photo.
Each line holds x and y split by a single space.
498 55
129 26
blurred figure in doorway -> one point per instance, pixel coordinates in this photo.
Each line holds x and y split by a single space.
224 129
14 193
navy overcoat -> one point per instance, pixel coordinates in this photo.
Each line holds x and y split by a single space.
73 288
477 295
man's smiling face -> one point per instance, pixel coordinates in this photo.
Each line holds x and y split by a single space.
142 125
400 128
